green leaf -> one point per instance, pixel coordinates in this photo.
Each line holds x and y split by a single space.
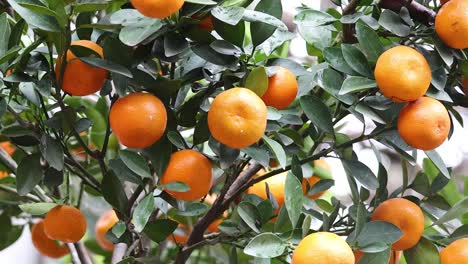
318 112
114 193
457 210
29 173
160 229
52 151
225 48
369 41
313 18
294 198
136 33
37 208
334 56
258 154
36 20
250 215
378 231
119 229
229 15
277 149
233 34
362 173
143 212
4 34
201 2
392 22
123 172
174 44
108 65
356 60
176 187
257 81
379 257
438 162
266 245
194 209
135 163
262 30
8 233
210 55
356 84
424 252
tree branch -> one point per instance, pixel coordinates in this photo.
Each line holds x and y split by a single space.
417 11
119 252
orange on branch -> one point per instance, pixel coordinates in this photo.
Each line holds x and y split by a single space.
44 244
455 253
158 8
319 164
65 223
282 89
451 24
138 120
275 186
405 215
424 124
191 168
79 78
323 248
402 74
103 225
237 118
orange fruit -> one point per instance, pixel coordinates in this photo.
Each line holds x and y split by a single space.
207 23
103 225
180 235
79 78
191 168
237 118
65 223
213 227
8 72
323 248
275 186
158 8
424 124
322 164
8 147
442 2
282 89
404 214
394 257
45 245
402 74
451 24
464 82
455 253
138 120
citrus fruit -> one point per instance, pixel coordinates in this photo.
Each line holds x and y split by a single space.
207 23
451 24
138 120
80 78
180 235
275 186
404 214
8 147
213 227
65 223
103 225
318 165
464 82
402 74
282 89
158 8
323 248
394 257
455 253
424 124
45 245
237 118
193 169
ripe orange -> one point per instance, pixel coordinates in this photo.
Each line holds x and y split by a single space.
404 214
191 168
138 120
323 248
45 245
424 124
456 252
442 2
8 72
394 257
65 223
9 149
322 164
103 225
180 235
158 8
451 24
402 74
282 89
275 186
80 78
237 118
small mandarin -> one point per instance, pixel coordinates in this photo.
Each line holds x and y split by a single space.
323 248
158 8
320 164
65 223
455 253
451 24
46 246
103 225
404 214
282 89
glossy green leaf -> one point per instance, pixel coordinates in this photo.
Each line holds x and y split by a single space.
142 212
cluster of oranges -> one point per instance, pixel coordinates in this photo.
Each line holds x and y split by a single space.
66 224
403 75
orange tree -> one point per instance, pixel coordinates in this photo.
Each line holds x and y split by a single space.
191 122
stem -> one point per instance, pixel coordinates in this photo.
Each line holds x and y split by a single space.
119 252
30 197
417 11
82 253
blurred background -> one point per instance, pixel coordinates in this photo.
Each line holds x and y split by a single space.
454 153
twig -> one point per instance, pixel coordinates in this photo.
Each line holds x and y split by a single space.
119 252
82 253
30 197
